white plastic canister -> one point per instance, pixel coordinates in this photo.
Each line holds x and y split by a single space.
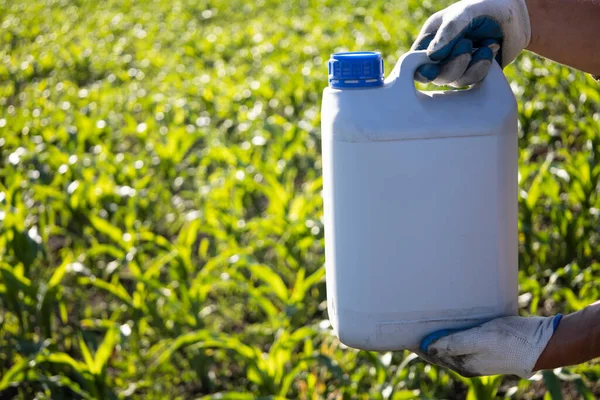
420 202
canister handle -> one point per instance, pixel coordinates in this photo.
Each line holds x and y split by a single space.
404 71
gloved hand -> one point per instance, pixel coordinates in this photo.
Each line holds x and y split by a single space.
466 36
507 345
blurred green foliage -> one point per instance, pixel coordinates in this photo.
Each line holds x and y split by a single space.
160 209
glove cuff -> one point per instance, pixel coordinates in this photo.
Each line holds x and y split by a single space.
539 341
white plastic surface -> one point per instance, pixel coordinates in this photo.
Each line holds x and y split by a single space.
420 202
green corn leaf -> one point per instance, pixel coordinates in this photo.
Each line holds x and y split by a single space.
179 343
277 194
583 390
59 273
153 270
379 368
21 282
60 358
107 229
553 385
405 395
14 374
288 379
87 356
44 192
188 235
472 394
96 324
274 281
314 278
257 375
105 351
49 299
100 249
229 396
15 285
203 248
263 302
204 339
238 396
115 289
298 290
61 381
158 240
250 354
301 334
62 311
534 191
572 300
329 363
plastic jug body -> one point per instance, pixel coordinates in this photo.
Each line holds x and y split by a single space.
420 204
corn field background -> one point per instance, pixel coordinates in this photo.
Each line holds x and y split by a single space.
161 230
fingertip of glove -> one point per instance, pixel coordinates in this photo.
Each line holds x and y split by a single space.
439 54
427 73
464 46
423 42
475 73
482 54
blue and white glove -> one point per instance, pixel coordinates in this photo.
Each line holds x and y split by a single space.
465 37
506 345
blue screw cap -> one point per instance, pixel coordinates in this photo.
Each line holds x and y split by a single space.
359 69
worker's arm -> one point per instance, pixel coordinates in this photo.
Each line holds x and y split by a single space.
517 345
566 31
576 340
464 38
